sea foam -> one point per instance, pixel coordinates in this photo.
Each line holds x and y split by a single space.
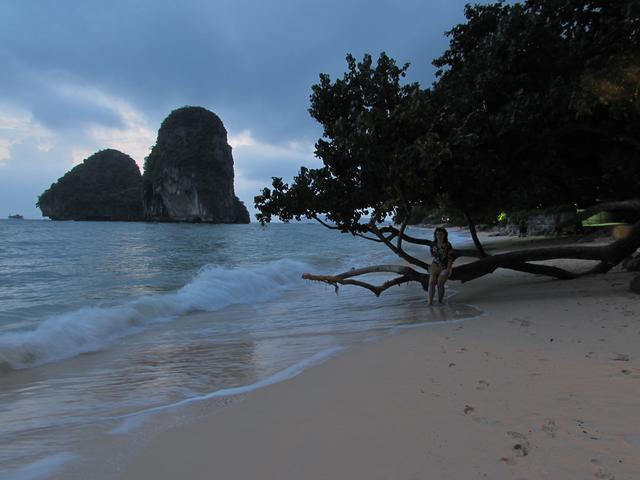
42 468
94 328
133 420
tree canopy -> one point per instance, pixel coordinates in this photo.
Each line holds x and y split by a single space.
535 104
544 92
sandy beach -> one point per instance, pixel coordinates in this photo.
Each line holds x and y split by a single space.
545 386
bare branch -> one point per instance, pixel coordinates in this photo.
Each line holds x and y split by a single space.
457 252
324 224
403 227
361 235
336 280
474 234
399 269
406 274
334 227
398 251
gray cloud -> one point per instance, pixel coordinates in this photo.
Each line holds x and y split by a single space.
251 62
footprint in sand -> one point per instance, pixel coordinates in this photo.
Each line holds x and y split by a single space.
550 427
620 357
516 435
521 449
486 421
583 428
520 321
482 384
492 355
603 475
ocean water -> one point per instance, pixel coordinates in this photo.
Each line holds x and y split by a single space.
102 324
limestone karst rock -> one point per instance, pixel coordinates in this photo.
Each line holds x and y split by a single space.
105 186
189 174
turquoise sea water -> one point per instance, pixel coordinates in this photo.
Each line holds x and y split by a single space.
101 321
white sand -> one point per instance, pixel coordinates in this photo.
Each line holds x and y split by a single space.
546 387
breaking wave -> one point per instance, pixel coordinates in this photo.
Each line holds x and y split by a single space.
90 329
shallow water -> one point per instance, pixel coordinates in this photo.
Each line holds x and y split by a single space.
99 321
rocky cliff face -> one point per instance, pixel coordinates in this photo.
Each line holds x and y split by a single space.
189 174
106 186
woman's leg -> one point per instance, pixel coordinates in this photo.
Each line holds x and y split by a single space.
442 278
432 288
434 272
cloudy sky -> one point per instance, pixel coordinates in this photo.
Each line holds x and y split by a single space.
77 76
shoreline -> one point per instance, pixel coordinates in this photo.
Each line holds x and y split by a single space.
508 396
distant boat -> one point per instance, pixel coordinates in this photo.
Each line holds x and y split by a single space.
17 216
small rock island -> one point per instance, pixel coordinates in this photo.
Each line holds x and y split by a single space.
188 177
105 186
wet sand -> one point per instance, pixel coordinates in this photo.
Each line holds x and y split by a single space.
547 385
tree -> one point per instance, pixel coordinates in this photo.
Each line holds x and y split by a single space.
545 91
505 125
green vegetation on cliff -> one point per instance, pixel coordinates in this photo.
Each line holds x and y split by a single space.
106 186
188 178
188 175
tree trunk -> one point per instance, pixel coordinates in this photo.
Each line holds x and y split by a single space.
474 235
607 257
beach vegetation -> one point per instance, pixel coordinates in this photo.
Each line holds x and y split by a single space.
535 106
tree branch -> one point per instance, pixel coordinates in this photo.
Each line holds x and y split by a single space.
398 251
334 227
376 289
607 255
324 224
406 274
402 228
457 252
474 234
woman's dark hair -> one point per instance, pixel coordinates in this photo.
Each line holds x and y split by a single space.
443 230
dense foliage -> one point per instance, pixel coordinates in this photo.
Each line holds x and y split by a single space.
539 103
193 157
106 186
535 104
185 143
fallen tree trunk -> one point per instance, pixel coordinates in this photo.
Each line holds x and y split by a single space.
607 257
631 263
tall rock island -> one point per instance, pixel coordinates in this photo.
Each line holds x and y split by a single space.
188 176
105 186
